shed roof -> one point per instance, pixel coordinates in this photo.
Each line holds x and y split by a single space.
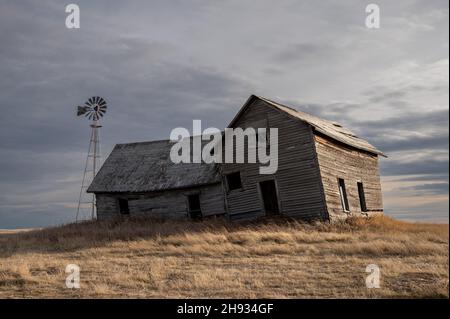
328 128
146 166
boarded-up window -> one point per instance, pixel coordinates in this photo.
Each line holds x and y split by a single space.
343 194
123 206
194 206
234 181
362 197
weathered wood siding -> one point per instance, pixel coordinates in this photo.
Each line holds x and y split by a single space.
166 204
297 178
340 161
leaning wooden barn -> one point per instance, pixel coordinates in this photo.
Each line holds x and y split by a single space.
324 172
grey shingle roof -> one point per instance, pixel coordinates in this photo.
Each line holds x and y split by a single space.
146 166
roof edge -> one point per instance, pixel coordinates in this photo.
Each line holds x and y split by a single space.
154 191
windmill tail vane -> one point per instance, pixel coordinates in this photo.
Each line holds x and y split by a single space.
82 110
93 109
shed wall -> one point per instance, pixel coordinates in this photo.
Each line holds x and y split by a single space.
166 204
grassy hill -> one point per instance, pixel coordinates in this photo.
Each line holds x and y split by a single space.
147 258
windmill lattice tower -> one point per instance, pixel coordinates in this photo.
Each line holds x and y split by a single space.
93 109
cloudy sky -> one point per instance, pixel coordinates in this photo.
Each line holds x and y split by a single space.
161 64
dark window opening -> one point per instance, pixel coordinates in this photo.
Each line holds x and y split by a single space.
362 197
343 195
234 181
194 209
123 206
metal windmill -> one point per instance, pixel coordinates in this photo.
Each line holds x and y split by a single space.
93 109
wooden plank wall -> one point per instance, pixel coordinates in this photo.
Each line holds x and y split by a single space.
166 204
339 161
297 178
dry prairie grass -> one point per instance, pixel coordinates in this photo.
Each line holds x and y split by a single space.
146 258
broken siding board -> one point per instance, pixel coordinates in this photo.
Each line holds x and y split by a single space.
340 161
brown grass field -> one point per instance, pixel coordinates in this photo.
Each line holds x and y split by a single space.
136 258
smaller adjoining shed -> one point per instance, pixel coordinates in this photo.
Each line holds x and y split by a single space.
324 172
140 179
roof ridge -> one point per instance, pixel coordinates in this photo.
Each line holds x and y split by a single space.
296 110
163 140
144 142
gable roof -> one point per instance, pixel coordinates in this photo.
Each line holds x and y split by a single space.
328 128
146 166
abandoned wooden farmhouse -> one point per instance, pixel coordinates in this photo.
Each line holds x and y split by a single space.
324 172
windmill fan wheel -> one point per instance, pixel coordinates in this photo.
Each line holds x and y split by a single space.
93 109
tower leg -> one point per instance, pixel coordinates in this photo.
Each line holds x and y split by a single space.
90 170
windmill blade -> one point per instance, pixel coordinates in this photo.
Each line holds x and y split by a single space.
88 114
91 101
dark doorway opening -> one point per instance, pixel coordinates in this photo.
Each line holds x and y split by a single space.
123 206
269 197
194 209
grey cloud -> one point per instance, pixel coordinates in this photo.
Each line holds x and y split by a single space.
304 52
431 212
419 167
410 131
430 177
160 65
436 141
149 88
410 121
429 189
387 96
